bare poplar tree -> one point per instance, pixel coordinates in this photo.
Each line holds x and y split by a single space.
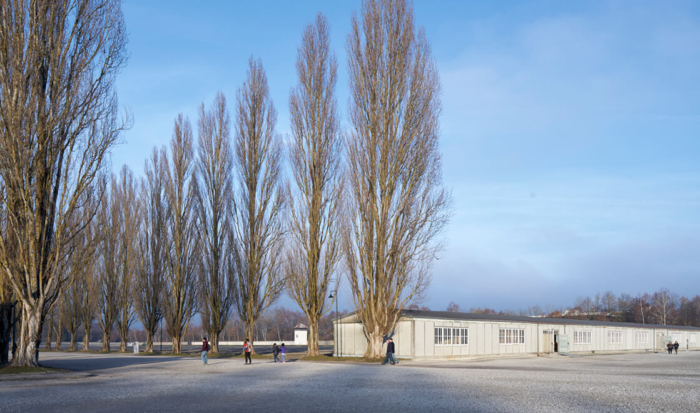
89 300
396 203
129 210
217 279
73 307
315 154
58 119
48 326
109 263
59 321
259 203
181 256
152 250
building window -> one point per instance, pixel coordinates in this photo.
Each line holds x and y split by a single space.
511 336
582 337
447 336
615 337
641 337
692 339
677 337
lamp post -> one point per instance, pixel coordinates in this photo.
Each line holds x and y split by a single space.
335 337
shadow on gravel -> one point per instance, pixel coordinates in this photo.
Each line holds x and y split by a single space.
92 364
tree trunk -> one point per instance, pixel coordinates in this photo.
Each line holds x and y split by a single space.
59 334
105 339
5 332
123 340
27 354
312 346
86 338
374 344
149 342
214 342
250 335
177 344
49 331
71 347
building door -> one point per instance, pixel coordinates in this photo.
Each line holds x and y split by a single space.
549 341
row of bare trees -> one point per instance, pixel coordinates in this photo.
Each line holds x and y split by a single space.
214 227
661 307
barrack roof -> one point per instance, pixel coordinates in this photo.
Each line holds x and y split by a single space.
537 320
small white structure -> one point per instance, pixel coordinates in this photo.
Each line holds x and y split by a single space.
301 335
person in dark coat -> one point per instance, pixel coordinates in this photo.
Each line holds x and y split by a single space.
275 351
390 349
675 346
669 346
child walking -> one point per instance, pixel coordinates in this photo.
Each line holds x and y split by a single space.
247 348
205 350
283 351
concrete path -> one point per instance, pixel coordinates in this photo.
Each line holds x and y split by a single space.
625 383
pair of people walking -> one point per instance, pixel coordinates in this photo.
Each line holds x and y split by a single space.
279 352
390 350
672 346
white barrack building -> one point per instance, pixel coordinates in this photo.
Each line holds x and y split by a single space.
436 334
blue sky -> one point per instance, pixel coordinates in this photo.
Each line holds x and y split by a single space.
569 130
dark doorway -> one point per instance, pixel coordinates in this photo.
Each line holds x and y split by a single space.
556 342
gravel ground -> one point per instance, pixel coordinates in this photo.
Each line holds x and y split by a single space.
615 383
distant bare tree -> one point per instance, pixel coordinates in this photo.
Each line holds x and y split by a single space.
110 221
152 250
397 206
59 321
217 279
609 302
260 202
48 326
58 120
73 307
182 255
88 281
129 210
664 304
453 307
315 155
641 306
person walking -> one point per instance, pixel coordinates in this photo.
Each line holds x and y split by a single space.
275 351
669 346
205 350
390 350
675 346
247 348
283 351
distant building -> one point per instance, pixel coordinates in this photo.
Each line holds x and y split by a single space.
301 335
437 334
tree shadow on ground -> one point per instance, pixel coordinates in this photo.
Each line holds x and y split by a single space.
101 363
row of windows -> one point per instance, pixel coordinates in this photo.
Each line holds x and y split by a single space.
641 337
615 337
511 336
582 337
446 336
